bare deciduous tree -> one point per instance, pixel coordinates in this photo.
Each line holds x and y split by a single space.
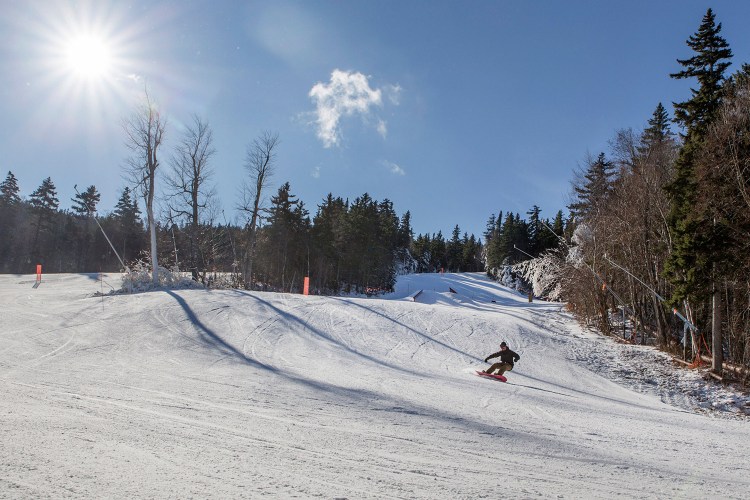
259 163
144 131
189 195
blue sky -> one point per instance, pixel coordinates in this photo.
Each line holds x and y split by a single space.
452 110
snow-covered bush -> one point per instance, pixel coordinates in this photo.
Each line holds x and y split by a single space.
138 278
545 274
508 276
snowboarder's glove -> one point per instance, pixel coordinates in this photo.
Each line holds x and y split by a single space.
486 360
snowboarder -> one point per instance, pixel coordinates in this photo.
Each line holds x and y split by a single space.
507 358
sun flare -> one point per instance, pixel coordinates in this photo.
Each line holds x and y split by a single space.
88 57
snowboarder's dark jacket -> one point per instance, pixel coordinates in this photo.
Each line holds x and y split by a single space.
506 356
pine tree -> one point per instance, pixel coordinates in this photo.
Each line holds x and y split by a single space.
405 232
284 245
130 236
421 247
127 208
454 251
492 242
698 239
711 59
688 264
44 198
437 252
536 231
472 254
328 243
9 191
10 207
550 233
490 228
85 203
79 234
594 191
44 204
558 226
658 130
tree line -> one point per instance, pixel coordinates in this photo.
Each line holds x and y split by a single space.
660 223
345 246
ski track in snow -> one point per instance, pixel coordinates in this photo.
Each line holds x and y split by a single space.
193 393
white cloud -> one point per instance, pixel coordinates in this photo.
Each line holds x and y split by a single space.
316 173
348 93
393 167
382 129
394 94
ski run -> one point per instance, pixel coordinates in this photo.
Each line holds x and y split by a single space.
238 394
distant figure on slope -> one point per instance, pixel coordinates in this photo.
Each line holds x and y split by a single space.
507 358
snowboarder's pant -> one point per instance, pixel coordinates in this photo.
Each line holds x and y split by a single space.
501 367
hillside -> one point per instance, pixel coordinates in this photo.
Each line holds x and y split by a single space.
245 394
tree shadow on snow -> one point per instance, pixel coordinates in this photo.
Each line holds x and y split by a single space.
209 337
322 334
411 329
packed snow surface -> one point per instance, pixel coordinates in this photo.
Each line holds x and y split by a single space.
227 394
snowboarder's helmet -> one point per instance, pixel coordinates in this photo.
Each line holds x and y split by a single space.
503 344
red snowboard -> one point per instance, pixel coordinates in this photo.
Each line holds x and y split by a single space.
490 375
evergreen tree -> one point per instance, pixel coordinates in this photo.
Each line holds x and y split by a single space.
437 252
44 198
85 203
386 247
657 145
284 242
127 209
472 254
10 207
711 59
550 231
558 225
454 251
130 235
9 191
657 131
693 241
79 234
492 242
44 204
491 227
328 243
536 231
507 239
388 225
405 232
422 253
595 189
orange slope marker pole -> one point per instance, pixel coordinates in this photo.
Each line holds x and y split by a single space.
38 275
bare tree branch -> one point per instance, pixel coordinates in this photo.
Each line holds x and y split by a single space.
144 132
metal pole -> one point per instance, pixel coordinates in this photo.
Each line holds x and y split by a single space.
127 269
622 303
105 234
674 309
514 246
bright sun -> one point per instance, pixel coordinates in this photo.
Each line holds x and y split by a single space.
88 57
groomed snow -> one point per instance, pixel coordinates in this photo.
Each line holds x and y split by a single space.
229 394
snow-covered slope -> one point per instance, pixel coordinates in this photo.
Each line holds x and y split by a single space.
245 394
